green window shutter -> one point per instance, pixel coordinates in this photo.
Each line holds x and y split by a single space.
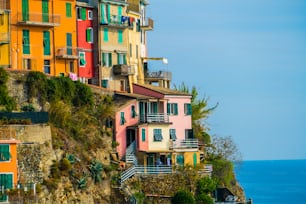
110 59
143 135
69 43
108 13
68 10
104 83
105 36
5 152
46 42
88 35
172 133
122 119
175 109
82 59
195 159
26 41
45 10
189 109
157 134
119 13
25 10
154 104
168 108
103 59
124 59
133 111
83 13
120 36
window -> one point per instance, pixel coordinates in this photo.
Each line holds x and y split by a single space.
26 41
89 35
120 36
47 66
122 119
68 10
6 182
61 74
71 66
105 34
172 109
82 59
25 10
107 59
189 134
27 64
46 42
172 133
104 83
69 43
5 152
143 135
187 109
121 58
79 13
90 15
157 133
138 25
134 114
45 11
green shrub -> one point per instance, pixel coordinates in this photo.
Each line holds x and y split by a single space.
95 170
183 197
28 108
204 199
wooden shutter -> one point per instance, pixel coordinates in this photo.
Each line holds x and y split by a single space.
69 43
83 13
45 10
68 10
46 42
88 35
143 135
105 35
120 36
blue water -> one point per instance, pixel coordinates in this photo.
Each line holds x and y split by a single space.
277 181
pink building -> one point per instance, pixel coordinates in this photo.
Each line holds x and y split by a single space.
86 41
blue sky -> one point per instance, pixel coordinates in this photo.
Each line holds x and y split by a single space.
248 55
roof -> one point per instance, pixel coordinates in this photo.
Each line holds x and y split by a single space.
133 95
162 90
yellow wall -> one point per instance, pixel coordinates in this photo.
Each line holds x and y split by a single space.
159 146
4 39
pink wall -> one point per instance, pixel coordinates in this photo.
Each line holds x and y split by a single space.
82 25
142 145
147 92
120 130
181 121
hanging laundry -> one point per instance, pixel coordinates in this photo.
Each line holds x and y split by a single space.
124 19
131 20
73 76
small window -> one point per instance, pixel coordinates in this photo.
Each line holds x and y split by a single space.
122 118
187 109
27 64
47 66
157 134
82 59
143 135
134 114
89 35
172 133
5 152
172 109
68 10
104 83
107 59
79 13
90 15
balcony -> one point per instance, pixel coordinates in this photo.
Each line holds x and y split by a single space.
159 75
4 38
117 21
67 53
123 70
148 25
154 118
184 144
38 19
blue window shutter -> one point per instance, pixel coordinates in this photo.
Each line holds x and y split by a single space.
120 36
105 33
175 109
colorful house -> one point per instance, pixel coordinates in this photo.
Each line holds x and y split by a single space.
8 164
113 45
86 38
162 130
4 37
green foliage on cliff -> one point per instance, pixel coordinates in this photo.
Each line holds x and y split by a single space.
5 100
183 197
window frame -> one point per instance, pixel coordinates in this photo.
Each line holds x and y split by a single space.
5 156
82 57
157 135
172 108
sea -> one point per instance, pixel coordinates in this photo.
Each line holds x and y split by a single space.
273 181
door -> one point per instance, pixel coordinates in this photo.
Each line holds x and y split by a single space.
69 43
6 182
150 160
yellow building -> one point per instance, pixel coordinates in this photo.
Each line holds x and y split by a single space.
113 45
4 37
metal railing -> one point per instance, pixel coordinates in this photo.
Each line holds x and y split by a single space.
39 19
154 118
67 52
159 75
145 170
120 21
129 154
206 171
184 144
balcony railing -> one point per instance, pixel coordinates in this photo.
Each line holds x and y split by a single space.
123 70
4 38
165 75
148 24
117 21
184 144
38 19
67 53
154 118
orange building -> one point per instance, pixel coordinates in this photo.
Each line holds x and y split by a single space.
8 166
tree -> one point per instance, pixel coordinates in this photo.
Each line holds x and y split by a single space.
183 197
